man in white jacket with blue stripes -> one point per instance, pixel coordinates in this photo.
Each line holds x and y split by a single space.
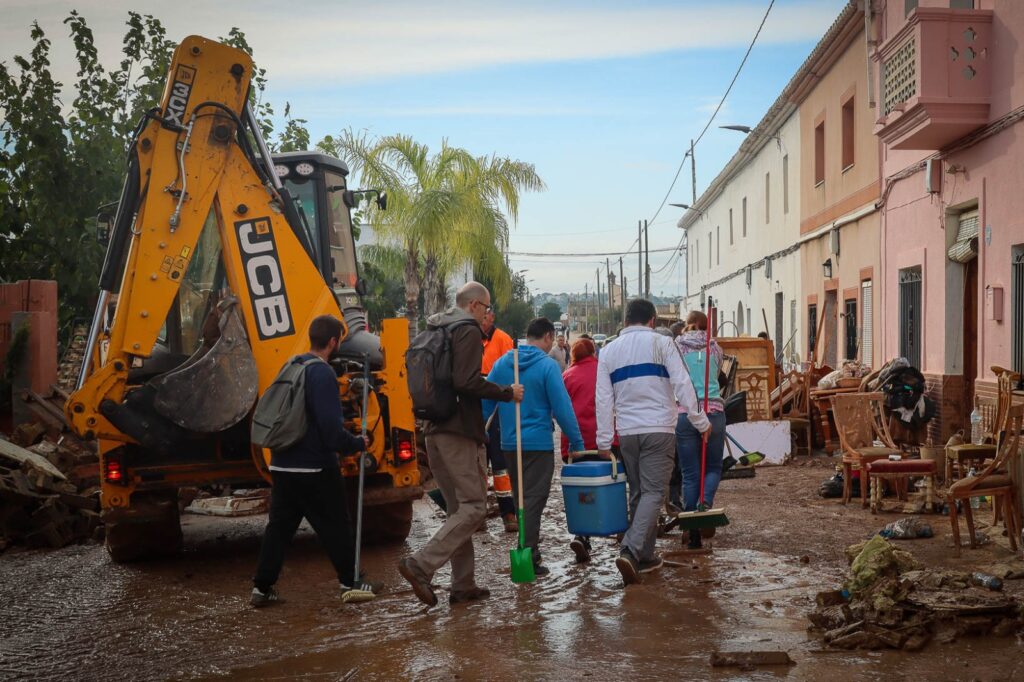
640 380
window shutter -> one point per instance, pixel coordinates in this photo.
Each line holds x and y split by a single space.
867 327
965 248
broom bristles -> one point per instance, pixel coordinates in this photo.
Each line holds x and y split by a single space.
695 520
357 596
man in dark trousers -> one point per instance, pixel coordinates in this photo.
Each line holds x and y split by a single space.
456 453
307 478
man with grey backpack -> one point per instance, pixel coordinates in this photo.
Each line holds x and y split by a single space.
299 419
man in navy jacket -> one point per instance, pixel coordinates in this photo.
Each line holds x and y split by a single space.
307 478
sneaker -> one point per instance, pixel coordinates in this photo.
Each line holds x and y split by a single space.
362 586
511 524
540 570
580 546
651 564
673 509
472 594
260 599
420 585
628 567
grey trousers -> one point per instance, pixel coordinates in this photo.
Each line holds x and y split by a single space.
458 466
538 470
648 459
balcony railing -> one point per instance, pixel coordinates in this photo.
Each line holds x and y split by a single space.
935 78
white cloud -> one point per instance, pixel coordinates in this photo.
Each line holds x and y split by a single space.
334 42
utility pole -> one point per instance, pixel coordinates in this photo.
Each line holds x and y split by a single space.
586 308
610 288
647 265
693 174
622 291
640 258
597 306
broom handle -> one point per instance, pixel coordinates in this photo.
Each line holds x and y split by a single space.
362 455
704 441
519 427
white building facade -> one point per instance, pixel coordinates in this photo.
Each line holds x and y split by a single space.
743 236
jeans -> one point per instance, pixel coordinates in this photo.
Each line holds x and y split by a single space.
320 499
688 449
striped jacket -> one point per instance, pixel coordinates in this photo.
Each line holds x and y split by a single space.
640 379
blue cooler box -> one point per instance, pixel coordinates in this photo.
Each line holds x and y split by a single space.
595 498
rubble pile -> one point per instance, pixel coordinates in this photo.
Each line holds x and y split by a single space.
890 602
49 489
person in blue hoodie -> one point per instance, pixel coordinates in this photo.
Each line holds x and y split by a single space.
544 398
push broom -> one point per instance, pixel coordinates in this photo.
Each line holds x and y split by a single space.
703 517
521 557
357 595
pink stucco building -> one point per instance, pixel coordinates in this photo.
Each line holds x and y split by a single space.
951 127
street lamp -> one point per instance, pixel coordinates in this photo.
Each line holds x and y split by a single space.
827 268
746 130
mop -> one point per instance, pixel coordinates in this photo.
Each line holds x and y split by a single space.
703 517
356 596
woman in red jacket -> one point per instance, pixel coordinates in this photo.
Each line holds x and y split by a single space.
581 383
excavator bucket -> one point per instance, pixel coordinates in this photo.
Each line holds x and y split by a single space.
216 387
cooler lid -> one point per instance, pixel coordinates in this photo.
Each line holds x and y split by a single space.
589 470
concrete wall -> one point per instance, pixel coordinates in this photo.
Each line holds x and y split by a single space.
766 235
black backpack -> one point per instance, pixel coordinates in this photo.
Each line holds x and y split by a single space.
428 365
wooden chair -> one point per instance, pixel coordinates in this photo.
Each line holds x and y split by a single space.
963 456
993 481
860 423
899 473
794 407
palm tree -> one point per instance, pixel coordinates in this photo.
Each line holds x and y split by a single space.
444 209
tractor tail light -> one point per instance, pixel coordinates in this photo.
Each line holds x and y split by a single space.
405 451
113 469
404 443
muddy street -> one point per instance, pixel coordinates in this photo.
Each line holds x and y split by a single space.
72 614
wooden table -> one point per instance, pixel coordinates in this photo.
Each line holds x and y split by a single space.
820 398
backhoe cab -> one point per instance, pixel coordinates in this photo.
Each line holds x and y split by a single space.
218 257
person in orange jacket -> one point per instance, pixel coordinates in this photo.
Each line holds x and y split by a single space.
496 344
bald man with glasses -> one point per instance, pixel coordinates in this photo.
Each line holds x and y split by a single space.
455 448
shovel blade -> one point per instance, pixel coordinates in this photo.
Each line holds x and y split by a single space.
522 565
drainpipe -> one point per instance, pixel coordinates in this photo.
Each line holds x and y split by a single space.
870 43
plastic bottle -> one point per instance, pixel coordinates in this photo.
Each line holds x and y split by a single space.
986 580
976 435
975 501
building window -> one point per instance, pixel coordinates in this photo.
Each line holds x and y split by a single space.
909 6
785 183
749 328
910 315
744 216
792 328
850 313
867 347
812 328
819 154
767 198
718 244
730 228
961 4
697 255
709 250
1017 284
848 133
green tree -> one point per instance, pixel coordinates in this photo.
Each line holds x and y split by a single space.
444 209
552 311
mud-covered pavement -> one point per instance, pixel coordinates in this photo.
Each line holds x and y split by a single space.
74 614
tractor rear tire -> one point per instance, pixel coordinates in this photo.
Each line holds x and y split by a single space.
149 528
387 524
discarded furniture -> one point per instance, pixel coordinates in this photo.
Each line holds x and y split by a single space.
792 401
821 403
754 372
962 457
860 425
898 473
995 482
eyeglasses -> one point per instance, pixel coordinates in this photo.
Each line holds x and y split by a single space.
487 308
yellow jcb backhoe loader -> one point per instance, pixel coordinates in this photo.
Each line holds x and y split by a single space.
219 256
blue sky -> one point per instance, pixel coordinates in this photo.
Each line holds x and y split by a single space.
602 97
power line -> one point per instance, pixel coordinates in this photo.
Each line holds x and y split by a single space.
586 255
715 112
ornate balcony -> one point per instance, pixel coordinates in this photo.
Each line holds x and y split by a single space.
935 74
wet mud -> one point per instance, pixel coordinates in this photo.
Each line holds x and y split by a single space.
73 614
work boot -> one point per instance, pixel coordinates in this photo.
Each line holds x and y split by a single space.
472 594
419 582
541 571
580 546
628 567
259 598
651 564
511 524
